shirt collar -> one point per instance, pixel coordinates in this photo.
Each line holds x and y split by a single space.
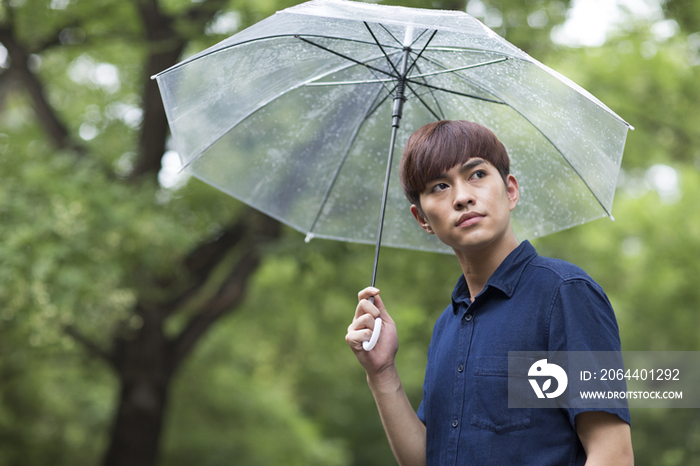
505 278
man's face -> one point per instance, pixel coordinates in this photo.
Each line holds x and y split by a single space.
468 206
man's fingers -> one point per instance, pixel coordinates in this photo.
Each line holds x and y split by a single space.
367 292
357 337
378 303
365 321
366 307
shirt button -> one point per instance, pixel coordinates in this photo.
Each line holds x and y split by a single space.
468 317
455 423
460 368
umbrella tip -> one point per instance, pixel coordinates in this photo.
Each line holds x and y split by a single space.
612 218
309 237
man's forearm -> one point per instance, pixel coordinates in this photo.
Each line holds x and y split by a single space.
606 439
405 432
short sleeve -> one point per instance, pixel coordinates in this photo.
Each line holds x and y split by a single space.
582 319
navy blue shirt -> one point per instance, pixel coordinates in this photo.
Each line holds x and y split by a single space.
530 303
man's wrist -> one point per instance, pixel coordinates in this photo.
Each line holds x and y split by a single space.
384 382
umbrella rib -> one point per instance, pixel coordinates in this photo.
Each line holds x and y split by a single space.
432 94
443 48
381 48
369 67
366 81
392 35
450 91
437 117
419 36
394 80
470 81
461 68
345 56
421 52
424 75
326 196
605 209
436 102
343 83
381 102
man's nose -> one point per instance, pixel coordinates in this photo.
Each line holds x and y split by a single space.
463 195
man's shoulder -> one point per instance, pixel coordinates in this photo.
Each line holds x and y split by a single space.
558 269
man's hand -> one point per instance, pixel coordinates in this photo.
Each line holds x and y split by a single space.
606 439
381 358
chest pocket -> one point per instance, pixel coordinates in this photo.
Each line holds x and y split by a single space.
491 398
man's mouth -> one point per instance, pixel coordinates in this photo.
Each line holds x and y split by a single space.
468 218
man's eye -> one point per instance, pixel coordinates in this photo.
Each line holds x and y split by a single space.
479 174
439 187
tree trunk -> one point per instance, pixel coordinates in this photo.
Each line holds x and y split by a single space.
147 361
145 378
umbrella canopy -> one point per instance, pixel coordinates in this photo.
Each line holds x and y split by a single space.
294 117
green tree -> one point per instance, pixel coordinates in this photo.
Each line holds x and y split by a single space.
93 246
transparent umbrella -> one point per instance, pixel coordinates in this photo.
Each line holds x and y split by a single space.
299 114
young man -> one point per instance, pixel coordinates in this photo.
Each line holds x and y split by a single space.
456 176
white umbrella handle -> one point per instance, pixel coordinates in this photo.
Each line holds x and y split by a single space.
368 345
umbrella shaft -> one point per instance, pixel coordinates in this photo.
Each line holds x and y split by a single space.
399 99
380 229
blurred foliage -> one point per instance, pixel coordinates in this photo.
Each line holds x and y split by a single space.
275 383
525 23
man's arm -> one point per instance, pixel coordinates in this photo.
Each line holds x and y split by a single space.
606 439
405 432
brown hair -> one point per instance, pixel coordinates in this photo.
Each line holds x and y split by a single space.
439 146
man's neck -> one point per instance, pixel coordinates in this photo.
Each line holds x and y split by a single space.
479 264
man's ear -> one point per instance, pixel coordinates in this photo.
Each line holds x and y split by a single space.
420 218
513 191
